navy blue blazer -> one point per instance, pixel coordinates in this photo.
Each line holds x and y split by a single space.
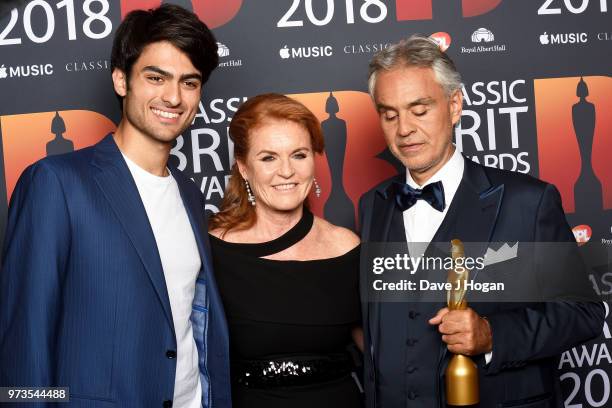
83 299
405 358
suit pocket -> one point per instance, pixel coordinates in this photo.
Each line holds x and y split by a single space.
539 401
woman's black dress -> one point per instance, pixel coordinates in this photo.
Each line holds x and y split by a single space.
289 322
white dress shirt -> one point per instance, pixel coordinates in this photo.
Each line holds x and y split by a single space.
421 221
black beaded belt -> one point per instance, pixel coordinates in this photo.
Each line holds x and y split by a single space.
291 371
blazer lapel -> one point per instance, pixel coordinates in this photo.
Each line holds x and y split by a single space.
195 212
118 186
473 211
386 216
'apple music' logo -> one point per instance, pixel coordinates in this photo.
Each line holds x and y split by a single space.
22 71
563 38
306 52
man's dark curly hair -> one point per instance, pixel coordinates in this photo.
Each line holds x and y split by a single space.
170 23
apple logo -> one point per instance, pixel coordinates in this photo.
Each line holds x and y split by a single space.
284 52
544 38
3 72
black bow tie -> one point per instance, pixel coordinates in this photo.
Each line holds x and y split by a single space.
406 196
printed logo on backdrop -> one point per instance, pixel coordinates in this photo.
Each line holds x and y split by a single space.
483 34
552 7
29 137
350 166
88 65
224 57
36 22
205 151
484 40
585 378
373 11
605 36
582 234
563 38
365 48
316 51
442 39
424 9
493 122
214 13
25 71
574 134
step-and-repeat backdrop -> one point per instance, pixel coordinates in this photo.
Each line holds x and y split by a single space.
537 89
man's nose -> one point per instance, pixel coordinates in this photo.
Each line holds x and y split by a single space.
172 94
405 126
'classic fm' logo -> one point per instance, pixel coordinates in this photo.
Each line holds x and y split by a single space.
29 137
574 129
423 9
349 166
214 13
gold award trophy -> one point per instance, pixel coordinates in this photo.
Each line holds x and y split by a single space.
461 376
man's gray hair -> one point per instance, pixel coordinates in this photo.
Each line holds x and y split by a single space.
416 51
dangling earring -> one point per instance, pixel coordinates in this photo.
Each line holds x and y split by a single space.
250 195
317 187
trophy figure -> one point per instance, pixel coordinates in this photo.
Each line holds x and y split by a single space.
339 208
59 145
587 190
461 376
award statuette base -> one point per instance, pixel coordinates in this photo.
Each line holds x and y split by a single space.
461 379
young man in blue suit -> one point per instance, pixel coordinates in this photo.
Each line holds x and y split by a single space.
106 284
442 196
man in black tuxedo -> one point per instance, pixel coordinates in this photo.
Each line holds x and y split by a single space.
417 92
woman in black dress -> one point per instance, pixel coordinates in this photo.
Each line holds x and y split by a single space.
289 280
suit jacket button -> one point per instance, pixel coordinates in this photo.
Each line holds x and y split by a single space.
412 395
167 404
171 354
411 342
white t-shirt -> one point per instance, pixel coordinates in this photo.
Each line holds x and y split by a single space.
181 263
